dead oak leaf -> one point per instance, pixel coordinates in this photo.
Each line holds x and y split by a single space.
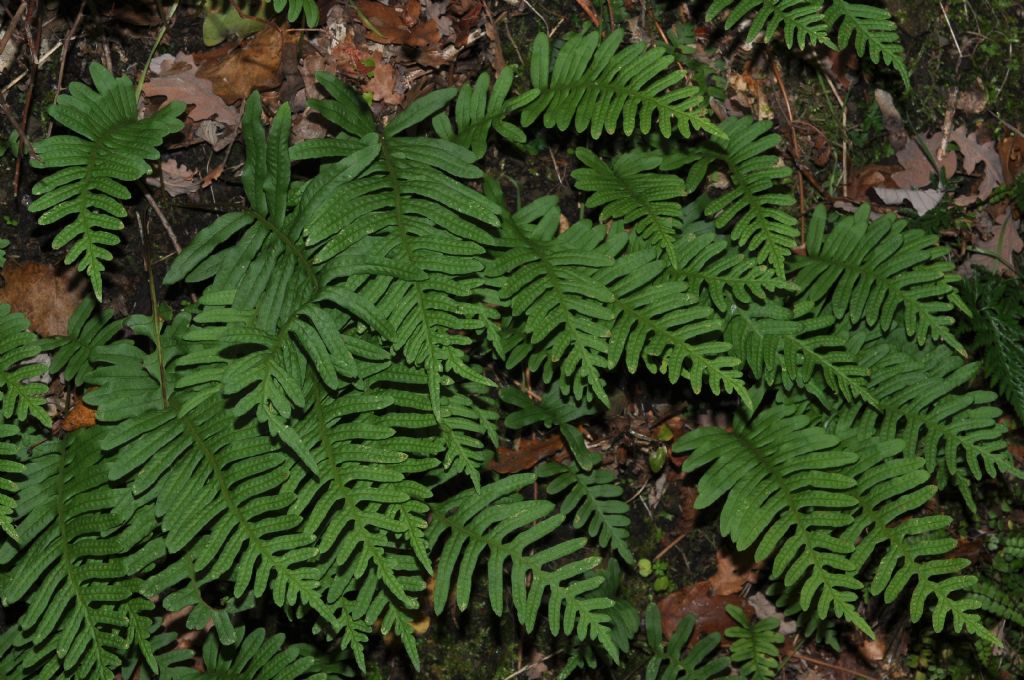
176 79
917 168
730 576
46 298
706 606
254 64
176 179
397 26
383 85
975 152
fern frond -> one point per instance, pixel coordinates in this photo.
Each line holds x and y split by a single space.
791 346
879 272
923 402
548 282
784 490
752 209
86 332
670 662
111 146
495 519
299 7
595 498
873 31
552 410
593 85
802 21
648 201
20 397
755 647
11 448
674 332
722 275
83 548
998 326
479 109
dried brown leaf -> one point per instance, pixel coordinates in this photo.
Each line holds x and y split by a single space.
46 297
177 80
255 64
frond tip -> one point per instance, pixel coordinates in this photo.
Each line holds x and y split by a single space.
111 146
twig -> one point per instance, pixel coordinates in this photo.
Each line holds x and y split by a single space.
674 543
159 36
588 9
10 27
826 664
64 57
163 220
531 665
956 42
795 150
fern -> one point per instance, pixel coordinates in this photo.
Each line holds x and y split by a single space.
802 20
876 271
627 190
593 85
998 327
755 646
111 146
493 519
668 662
752 210
596 500
809 22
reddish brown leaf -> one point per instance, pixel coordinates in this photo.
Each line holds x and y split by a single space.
47 298
700 600
393 26
526 455
255 64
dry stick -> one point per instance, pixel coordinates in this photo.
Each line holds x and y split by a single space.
611 15
844 176
826 664
795 150
588 9
10 27
33 50
64 56
674 543
163 220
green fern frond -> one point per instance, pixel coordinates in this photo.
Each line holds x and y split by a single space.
495 519
20 396
802 21
86 332
552 410
299 7
880 272
873 31
719 273
921 400
791 346
649 202
670 662
755 646
752 209
548 283
479 109
784 490
257 656
83 547
998 327
11 448
595 498
671 329
111 146
593 85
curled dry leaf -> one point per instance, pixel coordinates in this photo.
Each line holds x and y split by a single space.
397 25
732 574
707 606
176 180
177 80
254 64
47 298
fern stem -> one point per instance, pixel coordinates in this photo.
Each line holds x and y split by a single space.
152 52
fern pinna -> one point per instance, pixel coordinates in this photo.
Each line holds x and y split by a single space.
312 434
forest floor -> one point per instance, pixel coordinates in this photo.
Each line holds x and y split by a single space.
850 128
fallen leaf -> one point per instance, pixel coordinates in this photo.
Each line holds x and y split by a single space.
917 169
47 298
975 152
1011 155
1001 236
255 64
525 455
177 80
921 200
395 26
79 416
700 600
764 609
730 577
177 180
382 85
